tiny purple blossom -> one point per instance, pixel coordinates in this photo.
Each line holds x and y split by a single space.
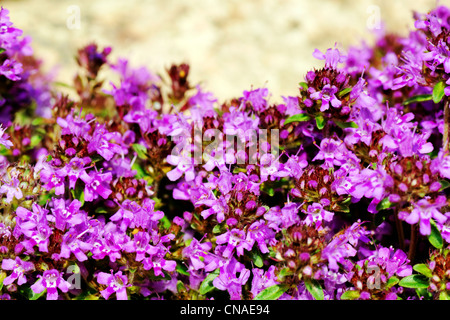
53 179
423 211
262 280
116 283
67 214
96 184
198 254
228 279
234 239
74 169
11 69
327 96
19 268
101 142
12 190
4 138
51 280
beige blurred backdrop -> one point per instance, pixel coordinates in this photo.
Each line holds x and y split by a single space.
231 45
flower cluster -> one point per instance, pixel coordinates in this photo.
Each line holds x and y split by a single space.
151 188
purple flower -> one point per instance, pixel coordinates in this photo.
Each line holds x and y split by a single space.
262 280
116 283
51 280
423 211
228 279
157 262
53 179
19 268
395 263
144 118
12 190
283 218
11 69
219 207
140 245
4 138
72 244
96 184
198 254
34 225
316 214
235 239
260 233
100 142
343 245
65 215
74 169
327 95
75 125
256 98
372 184
332 57
441 164
334 153
110 243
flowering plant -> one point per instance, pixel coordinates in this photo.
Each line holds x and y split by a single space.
150 188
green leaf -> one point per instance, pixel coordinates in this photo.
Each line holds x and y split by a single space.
438 92
166 222
320 122
3 275
38 121
424 294
385 204
180 286
350 295
314 288
272 292
304 85
257 259
297 118
207 284
435 237
444 296
414 281
418 98
423 269
35 296
2 50
35 140
344 92
344 125
217 229
444 184
140 150
182 269
392 282
285 272
78 193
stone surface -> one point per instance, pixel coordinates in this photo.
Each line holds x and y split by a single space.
231 45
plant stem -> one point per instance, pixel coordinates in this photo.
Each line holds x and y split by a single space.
412 243
445 137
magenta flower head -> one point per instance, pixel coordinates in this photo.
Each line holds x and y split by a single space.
96 184
423 211
51 280
4 138
19 268
116 283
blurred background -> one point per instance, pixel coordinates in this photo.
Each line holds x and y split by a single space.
230 45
